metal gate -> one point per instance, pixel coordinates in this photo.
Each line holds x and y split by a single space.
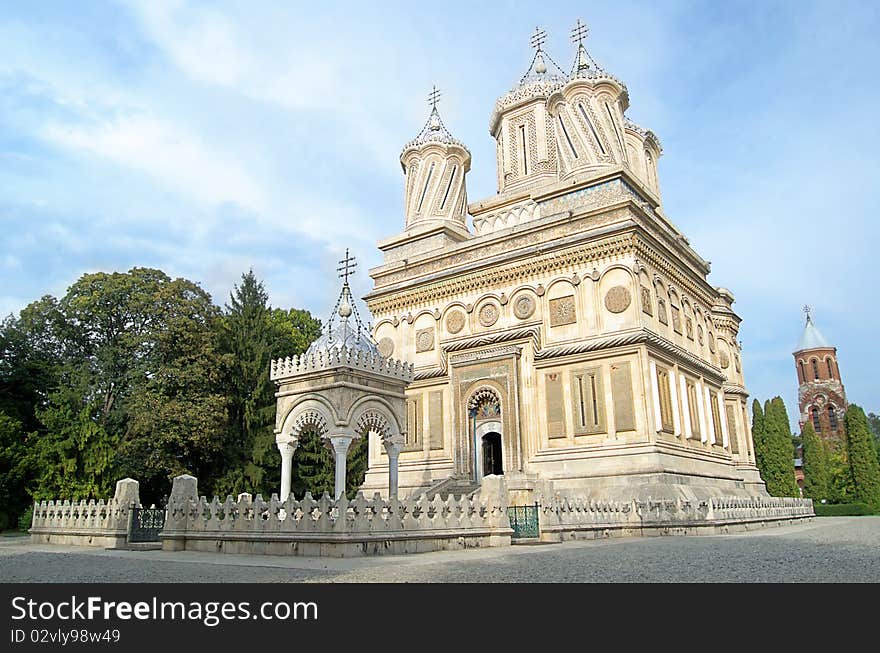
146 524
524 521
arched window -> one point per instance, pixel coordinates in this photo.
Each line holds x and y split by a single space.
815 369
832 417
815 414
803 373
830 369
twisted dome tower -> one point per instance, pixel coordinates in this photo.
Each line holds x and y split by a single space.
522 128
587 115
435 164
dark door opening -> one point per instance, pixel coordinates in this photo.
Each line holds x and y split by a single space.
492 454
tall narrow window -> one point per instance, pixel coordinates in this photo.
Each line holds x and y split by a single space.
803 372
525 150
830 371
665 400
614 127
587 402
425 189
832 417
448 187
568 138
814 412
815 369
592 129
595 400
583 411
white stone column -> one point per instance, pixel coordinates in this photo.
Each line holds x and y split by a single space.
393 450
685 408
701 411
673 395
286 450
340 443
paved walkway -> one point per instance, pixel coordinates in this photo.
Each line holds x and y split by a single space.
845 549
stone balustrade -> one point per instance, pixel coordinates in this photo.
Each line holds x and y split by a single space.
565 518
331 527
290 366
87 523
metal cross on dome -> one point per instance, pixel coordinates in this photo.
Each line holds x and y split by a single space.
538 38
434 97
807 310
346 267
579 33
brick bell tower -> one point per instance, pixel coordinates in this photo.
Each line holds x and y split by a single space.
821 396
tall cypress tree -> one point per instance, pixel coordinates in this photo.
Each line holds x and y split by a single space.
817 465
778 470
862 460
758 429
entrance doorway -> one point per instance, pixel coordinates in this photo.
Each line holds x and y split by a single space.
492 454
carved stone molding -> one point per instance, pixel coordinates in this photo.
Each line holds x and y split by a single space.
489 314
524 307
424 340
562 311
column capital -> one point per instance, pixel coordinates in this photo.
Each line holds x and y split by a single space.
287 448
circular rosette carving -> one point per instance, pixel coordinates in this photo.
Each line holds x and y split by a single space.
724 359
489 314
524 307
455 321
386 347
617 299
424 340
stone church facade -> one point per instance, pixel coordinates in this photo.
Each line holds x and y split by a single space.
570 340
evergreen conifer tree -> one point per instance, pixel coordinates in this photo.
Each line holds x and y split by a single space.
817 465
862 460
778 469
313 468
758 435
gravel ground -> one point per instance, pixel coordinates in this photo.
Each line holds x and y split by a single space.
842 549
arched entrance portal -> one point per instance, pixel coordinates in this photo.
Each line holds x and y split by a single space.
484 411
492 454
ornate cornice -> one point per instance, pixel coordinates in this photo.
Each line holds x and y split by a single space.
431 292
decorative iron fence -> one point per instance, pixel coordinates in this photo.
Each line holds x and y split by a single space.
146 524
524 521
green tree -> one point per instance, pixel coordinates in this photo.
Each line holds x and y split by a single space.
177 415
863 463
758 430
356 465
15 471
778 452
817 466
313 468
874 426
253 334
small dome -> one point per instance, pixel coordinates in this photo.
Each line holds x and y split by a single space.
343 335
539 81
435 131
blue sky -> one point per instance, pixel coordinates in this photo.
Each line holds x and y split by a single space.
209 138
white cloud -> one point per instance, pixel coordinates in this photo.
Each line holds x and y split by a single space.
172 156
